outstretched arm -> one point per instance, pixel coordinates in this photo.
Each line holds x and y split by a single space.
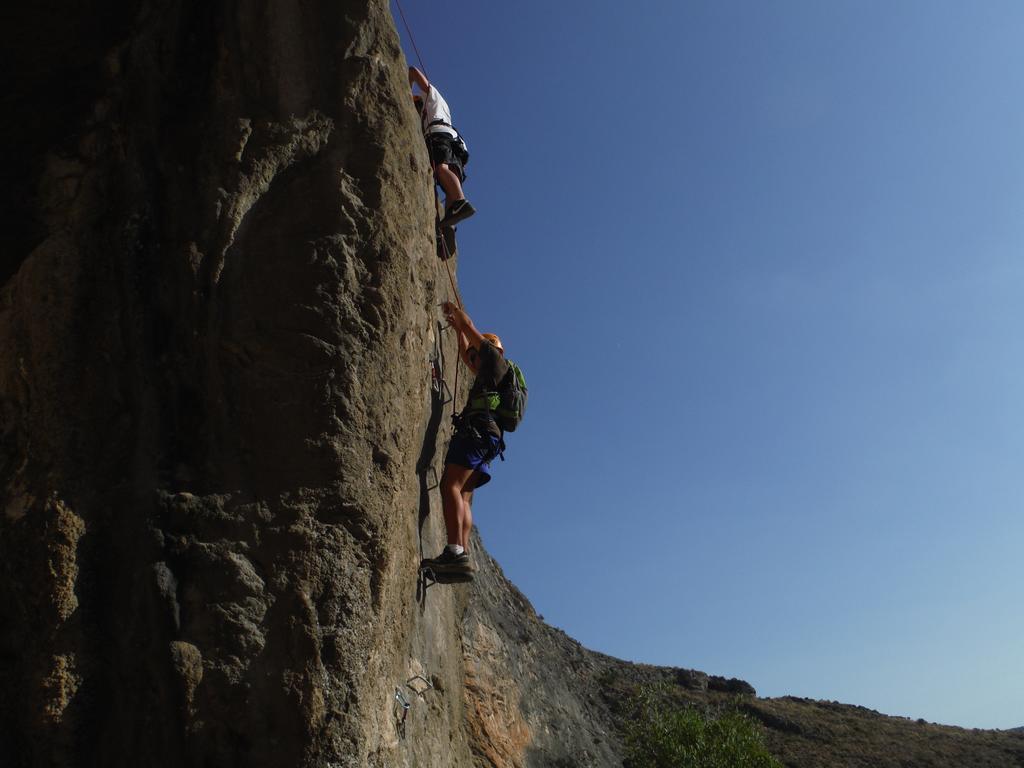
464 347
469 336
418 78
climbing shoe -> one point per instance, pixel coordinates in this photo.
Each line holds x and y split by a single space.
453 578
449 562
458 211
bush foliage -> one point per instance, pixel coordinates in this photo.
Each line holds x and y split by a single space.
663 734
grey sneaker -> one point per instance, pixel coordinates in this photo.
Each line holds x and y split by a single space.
449 562
459 211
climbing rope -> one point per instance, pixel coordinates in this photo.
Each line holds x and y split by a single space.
437 218
455 389
444 246
412 39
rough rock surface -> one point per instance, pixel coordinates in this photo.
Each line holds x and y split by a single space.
218 434
214 394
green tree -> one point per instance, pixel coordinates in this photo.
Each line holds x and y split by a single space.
663 734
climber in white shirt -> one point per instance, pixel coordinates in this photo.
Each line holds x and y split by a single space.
448 152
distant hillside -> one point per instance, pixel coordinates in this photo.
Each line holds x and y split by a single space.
572 702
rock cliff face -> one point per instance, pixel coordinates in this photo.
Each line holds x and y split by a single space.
214 333
218 434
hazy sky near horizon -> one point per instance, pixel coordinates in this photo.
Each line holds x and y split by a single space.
761 263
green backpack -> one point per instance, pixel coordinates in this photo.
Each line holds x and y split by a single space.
508 403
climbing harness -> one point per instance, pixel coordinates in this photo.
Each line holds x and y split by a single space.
461 149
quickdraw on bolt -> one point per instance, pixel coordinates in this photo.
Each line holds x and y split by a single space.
401 703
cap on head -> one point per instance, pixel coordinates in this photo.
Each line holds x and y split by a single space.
494 340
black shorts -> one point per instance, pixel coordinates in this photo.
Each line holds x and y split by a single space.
445 148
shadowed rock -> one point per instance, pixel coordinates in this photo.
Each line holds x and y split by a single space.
219 442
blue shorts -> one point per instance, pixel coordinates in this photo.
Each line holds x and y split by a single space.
468 450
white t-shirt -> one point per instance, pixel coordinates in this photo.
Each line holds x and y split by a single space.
436 108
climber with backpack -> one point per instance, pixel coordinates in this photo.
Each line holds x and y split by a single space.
497 400
448 152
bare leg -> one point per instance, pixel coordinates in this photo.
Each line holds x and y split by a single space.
449 181
467 505
454 501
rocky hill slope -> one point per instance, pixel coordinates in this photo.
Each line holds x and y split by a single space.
566 704
218 433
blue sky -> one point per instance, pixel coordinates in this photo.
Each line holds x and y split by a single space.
761 264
